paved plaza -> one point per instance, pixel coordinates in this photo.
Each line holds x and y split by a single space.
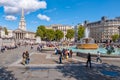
45 66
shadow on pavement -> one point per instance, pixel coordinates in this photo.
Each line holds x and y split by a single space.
6 75
67 61
106 72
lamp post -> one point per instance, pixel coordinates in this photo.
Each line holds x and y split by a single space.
119 34
119 31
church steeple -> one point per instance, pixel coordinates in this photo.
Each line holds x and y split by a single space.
22 14
22 23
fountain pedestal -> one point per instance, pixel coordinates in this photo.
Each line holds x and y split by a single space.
87 46
87 43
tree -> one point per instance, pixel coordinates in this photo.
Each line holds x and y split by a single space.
58 35
114 37
70 34
81 30
41 31
6 31
50 34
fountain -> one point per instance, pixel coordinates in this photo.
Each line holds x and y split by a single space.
87 43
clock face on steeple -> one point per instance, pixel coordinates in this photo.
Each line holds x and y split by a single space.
22 23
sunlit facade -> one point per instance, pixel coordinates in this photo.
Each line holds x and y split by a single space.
103 30
63 28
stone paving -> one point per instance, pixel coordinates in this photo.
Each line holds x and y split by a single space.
48 58
10 56
65 73
44 66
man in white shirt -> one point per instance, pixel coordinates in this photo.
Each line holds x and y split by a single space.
98 57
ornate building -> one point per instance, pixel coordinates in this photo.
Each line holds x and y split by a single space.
21 35
63 28
103 30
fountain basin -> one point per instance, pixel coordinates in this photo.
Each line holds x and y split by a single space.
103 51
87 46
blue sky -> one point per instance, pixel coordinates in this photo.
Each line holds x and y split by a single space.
47 12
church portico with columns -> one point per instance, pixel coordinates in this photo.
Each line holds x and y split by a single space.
18 36
21 35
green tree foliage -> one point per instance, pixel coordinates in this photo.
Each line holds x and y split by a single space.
81 30
41 31
70 34
58 35
6 31
42 27
115 37
50 34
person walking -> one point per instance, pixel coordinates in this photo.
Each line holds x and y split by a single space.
38 48
56 50
98 57
66 54
71 53
88 60
60 57
27 58
24 58
63 53
31 46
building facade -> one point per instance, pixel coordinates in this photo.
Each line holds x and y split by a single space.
2 32
63 28
103 30
20 35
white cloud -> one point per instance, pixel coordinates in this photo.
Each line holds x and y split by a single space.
14 6
50 10
11 10
10 18
43 17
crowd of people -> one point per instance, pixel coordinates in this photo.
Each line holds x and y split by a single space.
64 54
4 48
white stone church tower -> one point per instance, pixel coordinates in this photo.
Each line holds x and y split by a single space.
21 34
22 23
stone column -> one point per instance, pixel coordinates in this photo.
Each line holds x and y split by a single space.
18 35
22 35
15 35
